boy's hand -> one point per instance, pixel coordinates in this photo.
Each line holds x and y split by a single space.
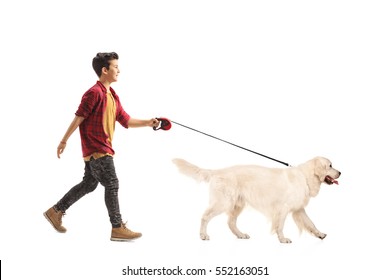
155 122
61 148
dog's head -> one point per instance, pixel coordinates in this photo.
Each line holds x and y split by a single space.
325 171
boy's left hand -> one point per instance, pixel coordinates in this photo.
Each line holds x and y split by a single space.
155 122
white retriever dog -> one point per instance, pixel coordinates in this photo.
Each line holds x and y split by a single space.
275 192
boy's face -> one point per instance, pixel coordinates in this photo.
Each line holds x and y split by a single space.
112 72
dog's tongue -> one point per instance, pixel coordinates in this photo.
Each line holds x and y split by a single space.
333 181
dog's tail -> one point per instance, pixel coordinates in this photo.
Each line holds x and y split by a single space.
193 171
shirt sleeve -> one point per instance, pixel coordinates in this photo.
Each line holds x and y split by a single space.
121 116
88 103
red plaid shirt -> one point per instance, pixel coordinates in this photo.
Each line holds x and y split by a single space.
93 104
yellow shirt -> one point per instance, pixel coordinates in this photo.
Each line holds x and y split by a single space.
109 118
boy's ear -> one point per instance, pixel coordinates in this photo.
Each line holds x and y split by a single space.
104 70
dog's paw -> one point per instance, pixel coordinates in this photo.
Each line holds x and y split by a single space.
321 235
285 240
243 236
204 236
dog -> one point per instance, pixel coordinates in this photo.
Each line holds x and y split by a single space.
276 192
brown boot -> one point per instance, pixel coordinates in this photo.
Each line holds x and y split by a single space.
55 218
122 233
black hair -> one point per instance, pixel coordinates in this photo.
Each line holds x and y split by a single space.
103 60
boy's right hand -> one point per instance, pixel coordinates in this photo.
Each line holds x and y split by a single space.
60 148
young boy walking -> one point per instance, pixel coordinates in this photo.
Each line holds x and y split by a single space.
97 113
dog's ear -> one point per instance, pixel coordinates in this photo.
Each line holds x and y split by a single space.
320 168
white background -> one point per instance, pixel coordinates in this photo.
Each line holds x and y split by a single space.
289 79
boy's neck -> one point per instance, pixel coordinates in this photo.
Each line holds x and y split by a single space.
106 84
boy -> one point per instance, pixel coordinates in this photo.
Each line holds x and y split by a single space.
97 113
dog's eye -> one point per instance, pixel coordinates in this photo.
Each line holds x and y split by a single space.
330 166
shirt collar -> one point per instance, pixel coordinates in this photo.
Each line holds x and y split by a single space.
104 88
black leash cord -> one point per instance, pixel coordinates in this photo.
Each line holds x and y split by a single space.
231 143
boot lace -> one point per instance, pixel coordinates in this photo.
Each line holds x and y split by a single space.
125 228
59 217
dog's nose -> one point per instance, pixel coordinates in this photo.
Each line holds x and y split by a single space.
339 173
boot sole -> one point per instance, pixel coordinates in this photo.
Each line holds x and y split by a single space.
123 239
48 219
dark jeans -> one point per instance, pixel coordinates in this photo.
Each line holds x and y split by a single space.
101 170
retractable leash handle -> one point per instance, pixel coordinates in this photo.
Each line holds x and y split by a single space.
165 124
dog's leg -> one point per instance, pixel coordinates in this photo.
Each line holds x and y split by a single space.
303 222
210 213
232 221
278 225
